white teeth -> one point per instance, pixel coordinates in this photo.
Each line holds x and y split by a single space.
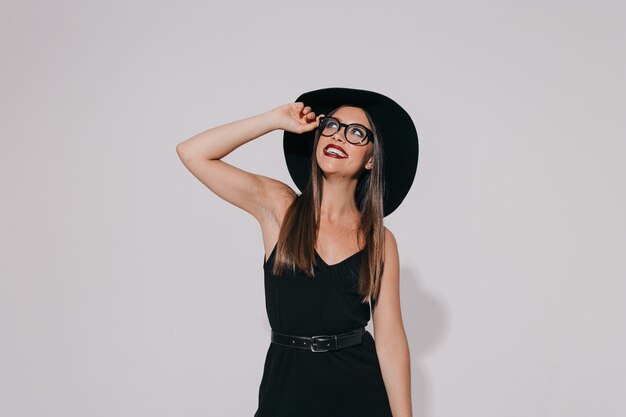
335 151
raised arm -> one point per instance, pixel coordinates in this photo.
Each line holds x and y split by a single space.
257 194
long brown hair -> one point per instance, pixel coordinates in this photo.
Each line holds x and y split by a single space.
298 233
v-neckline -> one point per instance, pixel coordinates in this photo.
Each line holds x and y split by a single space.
338 263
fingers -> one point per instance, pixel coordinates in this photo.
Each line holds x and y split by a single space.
308 115
313 124
301 108
306 111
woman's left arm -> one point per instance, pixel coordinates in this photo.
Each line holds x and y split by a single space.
390 338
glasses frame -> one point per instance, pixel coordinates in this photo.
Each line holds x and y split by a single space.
369 135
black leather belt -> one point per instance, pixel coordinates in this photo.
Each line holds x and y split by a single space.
320 343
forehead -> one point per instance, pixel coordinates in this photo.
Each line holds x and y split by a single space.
349 114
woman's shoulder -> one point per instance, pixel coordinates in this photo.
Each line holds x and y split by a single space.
388 234
390 245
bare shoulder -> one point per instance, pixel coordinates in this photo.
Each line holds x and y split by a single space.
391 246
389 234
386 314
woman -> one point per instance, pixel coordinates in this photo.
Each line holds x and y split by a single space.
327 252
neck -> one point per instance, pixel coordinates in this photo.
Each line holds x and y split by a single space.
338 200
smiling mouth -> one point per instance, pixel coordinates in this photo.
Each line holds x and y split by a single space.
334 151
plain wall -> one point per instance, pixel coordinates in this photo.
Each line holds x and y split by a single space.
124 281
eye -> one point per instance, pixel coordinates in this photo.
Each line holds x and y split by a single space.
357 131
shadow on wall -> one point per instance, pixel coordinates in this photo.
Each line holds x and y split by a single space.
424 321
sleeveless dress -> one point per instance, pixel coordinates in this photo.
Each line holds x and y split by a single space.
302 383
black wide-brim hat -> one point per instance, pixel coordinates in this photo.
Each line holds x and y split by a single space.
398 138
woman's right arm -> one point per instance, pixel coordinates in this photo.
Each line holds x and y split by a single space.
257 194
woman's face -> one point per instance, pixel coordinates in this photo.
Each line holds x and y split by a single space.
355 158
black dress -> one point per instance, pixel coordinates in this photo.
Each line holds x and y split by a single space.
337 383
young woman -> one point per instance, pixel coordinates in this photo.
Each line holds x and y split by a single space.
327 251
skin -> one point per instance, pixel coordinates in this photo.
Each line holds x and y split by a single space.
267 199
339 217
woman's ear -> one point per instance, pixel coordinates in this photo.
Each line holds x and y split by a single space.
370 163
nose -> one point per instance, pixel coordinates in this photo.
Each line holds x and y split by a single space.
338 134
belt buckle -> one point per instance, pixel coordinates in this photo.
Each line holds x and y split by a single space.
320 339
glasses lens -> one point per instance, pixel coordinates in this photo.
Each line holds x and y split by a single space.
329 126
356 134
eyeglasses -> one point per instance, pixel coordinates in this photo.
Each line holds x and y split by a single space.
354 133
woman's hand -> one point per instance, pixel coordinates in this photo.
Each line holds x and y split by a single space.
295 117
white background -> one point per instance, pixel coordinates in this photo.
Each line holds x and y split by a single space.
125 282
